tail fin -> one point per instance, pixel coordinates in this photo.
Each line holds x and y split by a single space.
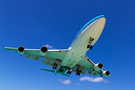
53 71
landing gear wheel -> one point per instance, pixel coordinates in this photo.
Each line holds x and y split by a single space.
91 47
90 43
88 46
78 74
61 70
55 66
91 39
69 72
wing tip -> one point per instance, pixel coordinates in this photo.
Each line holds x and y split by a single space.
6 48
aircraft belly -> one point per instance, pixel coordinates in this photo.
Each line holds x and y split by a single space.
71 59
93 30
79 46
72 62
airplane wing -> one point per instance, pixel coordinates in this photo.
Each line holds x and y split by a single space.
51 57
87 64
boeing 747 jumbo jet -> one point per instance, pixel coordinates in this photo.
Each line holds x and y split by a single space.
73 59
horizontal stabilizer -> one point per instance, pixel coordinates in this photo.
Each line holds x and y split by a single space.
53 71
47 70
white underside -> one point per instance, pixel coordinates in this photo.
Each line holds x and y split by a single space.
78 48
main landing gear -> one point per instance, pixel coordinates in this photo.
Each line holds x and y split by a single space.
69 72
61 69
89 45
78 72
55 66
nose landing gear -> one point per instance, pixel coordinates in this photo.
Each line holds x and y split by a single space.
89 45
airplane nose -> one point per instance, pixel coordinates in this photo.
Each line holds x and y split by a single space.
102 20
95 28
97 25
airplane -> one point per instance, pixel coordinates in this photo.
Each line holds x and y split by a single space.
73 59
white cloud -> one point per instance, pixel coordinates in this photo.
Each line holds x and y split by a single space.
65 81
91 79
77 83
48 46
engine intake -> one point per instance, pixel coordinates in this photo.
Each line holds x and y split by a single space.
98 67
43 51
105 74
21 50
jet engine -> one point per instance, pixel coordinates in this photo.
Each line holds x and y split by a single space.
21 50
43 51
105 74
98 67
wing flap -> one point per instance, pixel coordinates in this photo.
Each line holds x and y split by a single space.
81 69
31 56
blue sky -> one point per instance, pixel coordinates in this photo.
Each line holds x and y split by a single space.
32 24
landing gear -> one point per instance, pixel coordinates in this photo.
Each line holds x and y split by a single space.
55 66
89 45
78 72
69 72
61 70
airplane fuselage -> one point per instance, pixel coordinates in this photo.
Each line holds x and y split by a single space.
78 48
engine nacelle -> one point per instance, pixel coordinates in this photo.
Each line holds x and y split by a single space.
43 51
105 74
21 50
98 67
